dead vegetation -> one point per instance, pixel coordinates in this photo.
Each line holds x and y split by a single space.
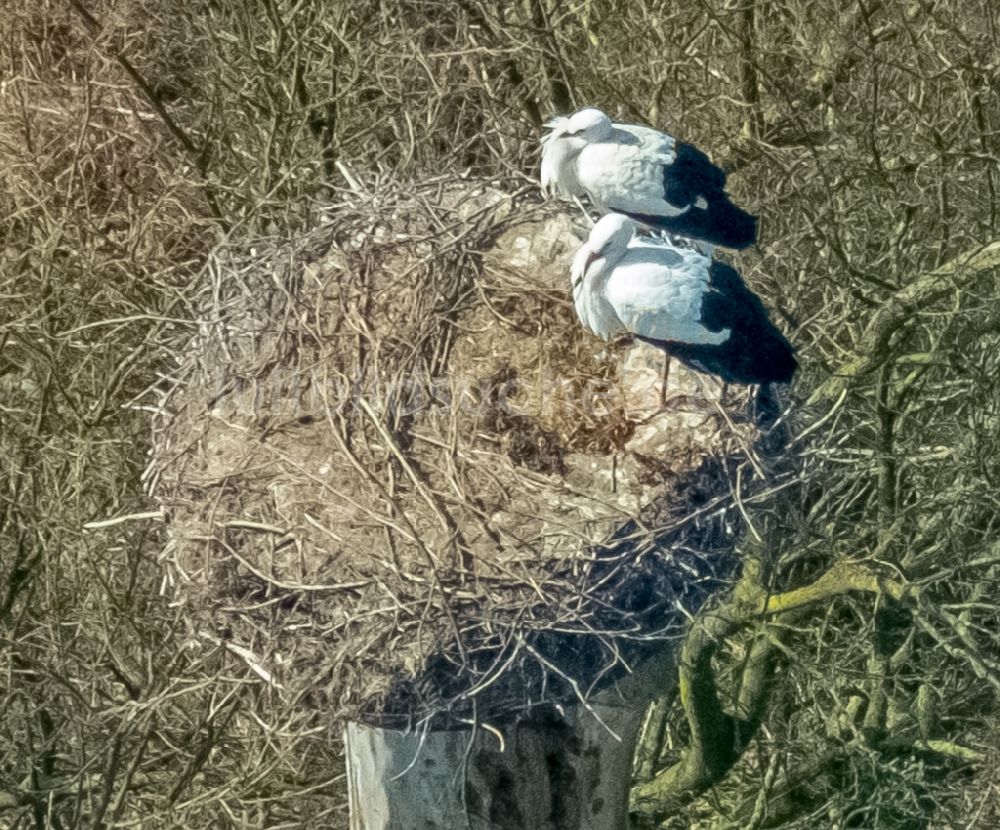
137 136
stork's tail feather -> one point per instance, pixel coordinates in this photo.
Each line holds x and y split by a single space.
776 361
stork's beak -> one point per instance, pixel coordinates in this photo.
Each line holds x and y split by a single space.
586 267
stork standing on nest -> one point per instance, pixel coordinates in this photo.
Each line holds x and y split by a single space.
679 300
644 174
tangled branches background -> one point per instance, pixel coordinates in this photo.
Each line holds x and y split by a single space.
137 136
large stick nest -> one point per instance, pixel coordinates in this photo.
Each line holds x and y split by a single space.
397 472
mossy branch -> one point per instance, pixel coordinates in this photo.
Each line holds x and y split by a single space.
718 738
873 346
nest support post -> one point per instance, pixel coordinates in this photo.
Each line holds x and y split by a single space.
563 768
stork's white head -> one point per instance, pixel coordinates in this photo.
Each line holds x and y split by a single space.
568 136
590 124
606 245
613 231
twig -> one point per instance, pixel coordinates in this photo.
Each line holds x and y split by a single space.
151 515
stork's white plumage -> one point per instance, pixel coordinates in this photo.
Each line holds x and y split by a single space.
679 300
644 174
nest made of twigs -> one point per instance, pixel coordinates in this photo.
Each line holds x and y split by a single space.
398 472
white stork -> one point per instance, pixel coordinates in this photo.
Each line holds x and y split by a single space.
677 299
644 174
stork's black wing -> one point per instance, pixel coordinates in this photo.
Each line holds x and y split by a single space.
689 179
691 175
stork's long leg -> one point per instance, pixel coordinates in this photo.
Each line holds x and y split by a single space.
663 385
584 211
674 404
